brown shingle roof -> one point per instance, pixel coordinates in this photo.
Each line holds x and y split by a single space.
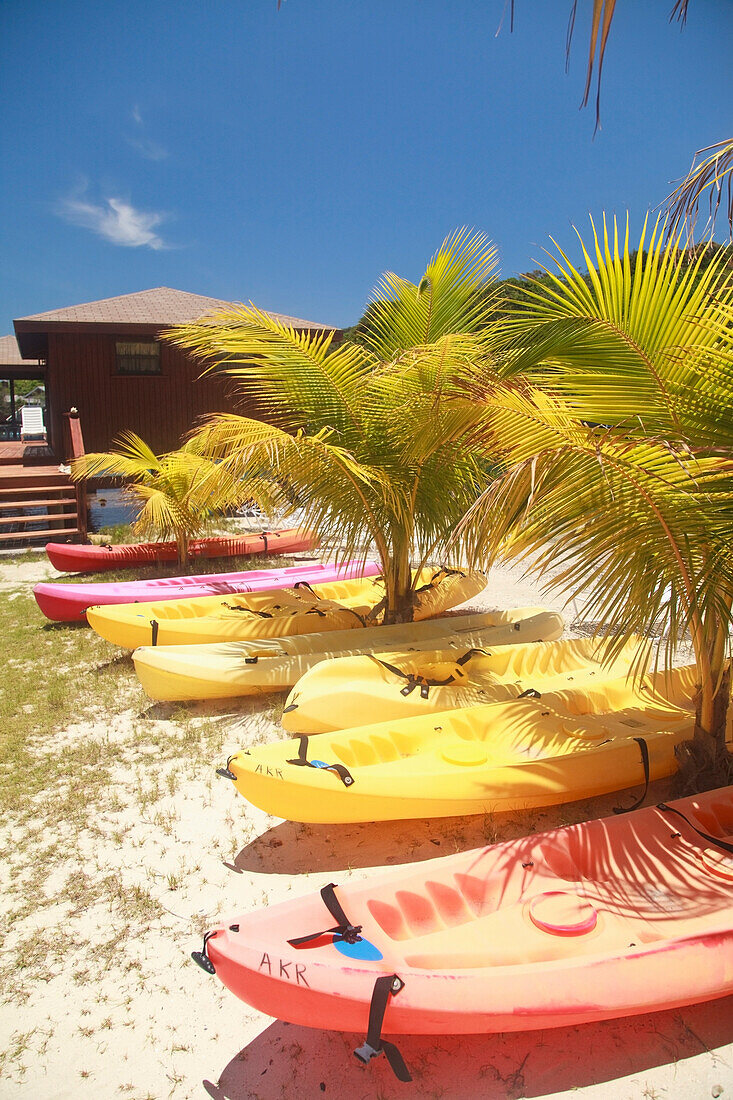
10 353
160 306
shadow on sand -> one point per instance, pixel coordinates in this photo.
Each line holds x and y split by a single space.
287 1060
48 627
294 848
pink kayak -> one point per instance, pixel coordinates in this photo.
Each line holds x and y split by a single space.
616 917
67 603
82 558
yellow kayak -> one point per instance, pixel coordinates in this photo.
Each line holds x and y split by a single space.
529 752
340 693
229 669
304 609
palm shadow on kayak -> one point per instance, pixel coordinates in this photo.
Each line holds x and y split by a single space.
289 1060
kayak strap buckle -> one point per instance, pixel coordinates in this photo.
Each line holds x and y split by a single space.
416 679
224 772
302 761
388 985
201 958
343 930
365 1053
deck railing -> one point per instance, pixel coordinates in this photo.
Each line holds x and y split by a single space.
74 448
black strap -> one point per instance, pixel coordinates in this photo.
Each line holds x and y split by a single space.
339 607
471 653
444 572
248 610
389 985
263 536
304 584
706 836
343 930
414 679
154 624
645 761
201 957
302 761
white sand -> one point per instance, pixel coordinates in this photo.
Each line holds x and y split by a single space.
110 1004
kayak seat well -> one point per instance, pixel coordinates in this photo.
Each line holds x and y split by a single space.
717 819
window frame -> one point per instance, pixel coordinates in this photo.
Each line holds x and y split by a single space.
157 358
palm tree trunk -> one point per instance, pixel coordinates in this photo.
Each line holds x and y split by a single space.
705 762
182 549
398 584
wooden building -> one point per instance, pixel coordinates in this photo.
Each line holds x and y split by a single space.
106 360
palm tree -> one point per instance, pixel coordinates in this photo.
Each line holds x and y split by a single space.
335 442
174 496
613 421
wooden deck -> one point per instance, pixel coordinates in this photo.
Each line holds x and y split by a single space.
13 453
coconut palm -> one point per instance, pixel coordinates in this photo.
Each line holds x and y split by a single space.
334 442
614 425
172 493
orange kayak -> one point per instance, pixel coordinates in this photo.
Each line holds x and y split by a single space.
609 918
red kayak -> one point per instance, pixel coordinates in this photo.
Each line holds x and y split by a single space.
81 558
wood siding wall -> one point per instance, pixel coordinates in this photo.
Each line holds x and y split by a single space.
161 408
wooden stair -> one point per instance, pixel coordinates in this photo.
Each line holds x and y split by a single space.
37 513
39 502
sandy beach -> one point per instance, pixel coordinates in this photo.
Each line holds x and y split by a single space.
119 862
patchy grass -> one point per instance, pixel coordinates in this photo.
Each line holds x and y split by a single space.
85 776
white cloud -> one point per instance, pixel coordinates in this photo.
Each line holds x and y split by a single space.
151 150
115 220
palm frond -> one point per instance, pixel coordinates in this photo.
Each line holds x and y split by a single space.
453 296
296 378
711 178
633 340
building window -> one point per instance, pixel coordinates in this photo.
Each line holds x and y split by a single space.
138 357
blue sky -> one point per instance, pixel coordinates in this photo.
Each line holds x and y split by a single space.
289 157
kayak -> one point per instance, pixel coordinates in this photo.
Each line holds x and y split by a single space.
337 694
340 605
617 917
230 669
566 745
68 603
82 558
